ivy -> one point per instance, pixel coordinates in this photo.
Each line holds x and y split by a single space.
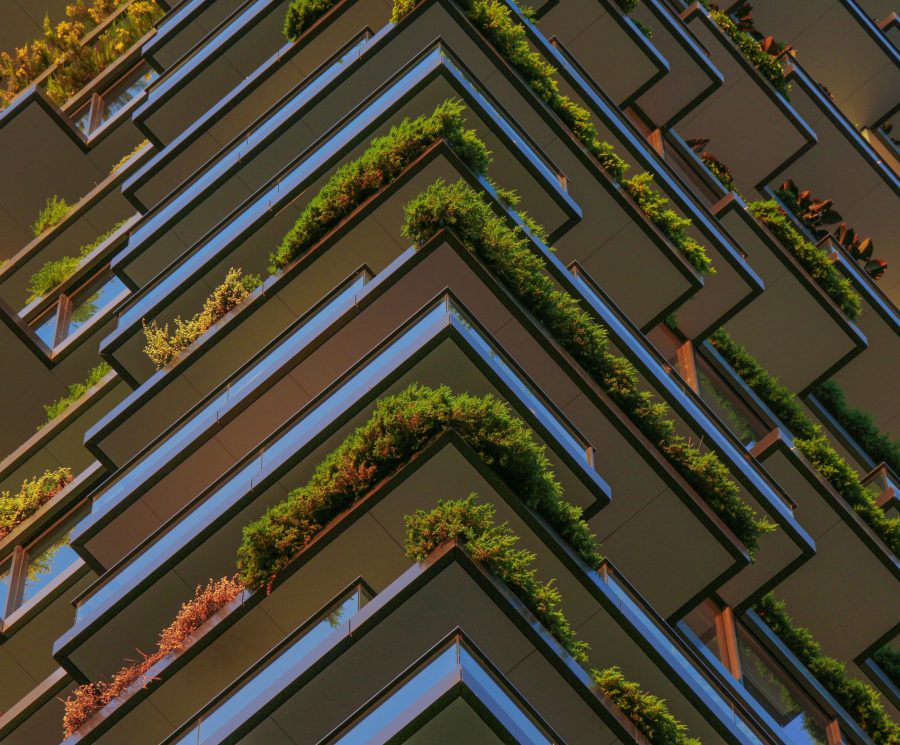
813 258
32 495
860 700
494 548
860 425
76 391
809 438
401 426
381 163
162 348
506 252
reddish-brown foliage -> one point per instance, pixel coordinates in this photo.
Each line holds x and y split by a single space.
89 698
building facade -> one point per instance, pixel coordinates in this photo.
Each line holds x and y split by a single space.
450 371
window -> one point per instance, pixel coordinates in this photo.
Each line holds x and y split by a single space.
104 106
32 568
73 310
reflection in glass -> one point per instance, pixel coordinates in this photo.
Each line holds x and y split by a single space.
45 327
115 102
46 561
5 577
88 303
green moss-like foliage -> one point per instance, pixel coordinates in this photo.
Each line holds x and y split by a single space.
809 438
860 700
763 61
506 252
52 214
302 14
76 391
401 426
493 546
888 659
34 493
648 712
813 258
860 425
384 160
55 272
509 37
161 348
128 156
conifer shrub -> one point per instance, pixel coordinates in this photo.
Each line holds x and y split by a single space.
87 699
859 699
813 258
162 348
76 391
302 14
809 438
494 548
401 426
507 253
33 494
381 163
860 424
52 214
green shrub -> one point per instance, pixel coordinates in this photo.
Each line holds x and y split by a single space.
55 272
860 425
76 391
888 659
506 252
401 426
493 546
302 14
508 36
648 712
128 156
52 214
34 493
809 438
860 700
768 65
162 348
386 157
813 258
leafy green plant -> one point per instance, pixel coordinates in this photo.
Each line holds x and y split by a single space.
52 214
757 53
401 426
76 391
162 348
55 272
76 64
508 36
506 252
648 712
381 163
128 156
302 14
888 659
860 700
33 494
494 548
809 438
813 258
860 424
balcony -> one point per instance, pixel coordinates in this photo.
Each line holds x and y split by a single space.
37 714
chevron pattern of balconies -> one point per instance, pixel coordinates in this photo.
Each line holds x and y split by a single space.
450 372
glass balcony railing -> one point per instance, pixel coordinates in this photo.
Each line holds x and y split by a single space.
429 688
728 406
241 698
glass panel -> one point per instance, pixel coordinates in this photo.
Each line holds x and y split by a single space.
728 406
115 101
83 122
244 698
88 303
702 621
5 576
46 560
45 326
801 723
